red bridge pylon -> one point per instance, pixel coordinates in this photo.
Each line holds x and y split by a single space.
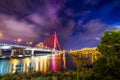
52 42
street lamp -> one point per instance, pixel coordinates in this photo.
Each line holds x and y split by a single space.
19 40
31 43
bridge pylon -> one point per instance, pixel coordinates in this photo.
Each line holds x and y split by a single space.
52 42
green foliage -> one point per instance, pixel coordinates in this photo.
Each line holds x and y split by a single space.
108 66
69 75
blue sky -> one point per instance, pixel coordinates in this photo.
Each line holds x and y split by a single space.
78 23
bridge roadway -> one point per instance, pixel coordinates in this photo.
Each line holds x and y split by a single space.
9 51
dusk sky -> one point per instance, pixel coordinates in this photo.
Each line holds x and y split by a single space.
78 23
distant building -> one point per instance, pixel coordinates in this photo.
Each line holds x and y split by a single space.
92 54
39 45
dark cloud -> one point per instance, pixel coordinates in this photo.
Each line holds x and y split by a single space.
29 19
13 29
90 37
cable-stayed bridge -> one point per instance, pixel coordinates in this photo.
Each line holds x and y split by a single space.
52 44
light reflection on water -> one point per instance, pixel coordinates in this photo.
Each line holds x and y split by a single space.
44 64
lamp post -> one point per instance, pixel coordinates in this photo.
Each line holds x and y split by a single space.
17 41
29 43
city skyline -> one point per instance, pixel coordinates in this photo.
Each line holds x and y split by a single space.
78 23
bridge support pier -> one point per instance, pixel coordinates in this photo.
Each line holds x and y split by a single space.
0 52
53 51
32 52
12 52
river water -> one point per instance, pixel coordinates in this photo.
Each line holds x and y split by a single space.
46 63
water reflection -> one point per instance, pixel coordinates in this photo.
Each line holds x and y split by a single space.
54 62
4 67
26 64
64 61
40 63
12 65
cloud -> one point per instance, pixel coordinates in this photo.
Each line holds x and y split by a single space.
117 27
35 20
66 31
13 29
94 29
94 26
27 7
91 2
97 38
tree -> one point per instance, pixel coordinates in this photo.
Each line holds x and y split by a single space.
108 66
